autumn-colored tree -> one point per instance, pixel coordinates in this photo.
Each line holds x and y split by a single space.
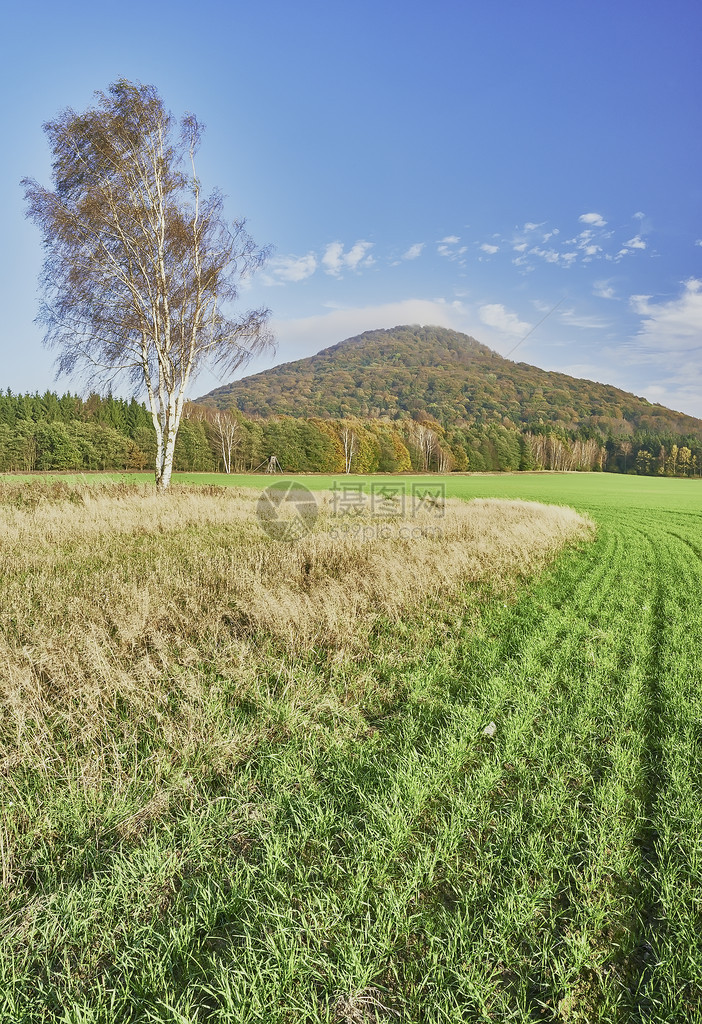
643 461
684 460
671 463
139 264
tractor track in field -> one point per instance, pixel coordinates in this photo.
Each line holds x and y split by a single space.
523 877
592 597
667 580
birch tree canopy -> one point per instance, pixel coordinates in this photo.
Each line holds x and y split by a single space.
141 268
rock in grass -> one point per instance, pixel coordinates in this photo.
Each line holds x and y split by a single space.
490 730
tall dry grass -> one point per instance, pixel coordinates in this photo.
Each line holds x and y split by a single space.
106 591
133 579
132 624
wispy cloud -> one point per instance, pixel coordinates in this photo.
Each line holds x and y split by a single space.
553 256
414 251
588 322
335 260
293 269
603 290
450 248
590 244
283 269
549 255
490 249
627 248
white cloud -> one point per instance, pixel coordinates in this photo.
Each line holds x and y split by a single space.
553 256
335 260
531 226
671 326
699 241
639 215
603 290
549 255
585 247
628 248
357 255
291 268
495 315
447 247
667 348
414 251
490 249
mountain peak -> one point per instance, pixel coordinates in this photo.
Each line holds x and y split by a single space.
412 371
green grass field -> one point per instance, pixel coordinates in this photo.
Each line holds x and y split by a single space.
396 863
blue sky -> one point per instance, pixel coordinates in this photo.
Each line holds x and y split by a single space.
478 165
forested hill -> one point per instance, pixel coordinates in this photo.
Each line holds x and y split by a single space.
405 372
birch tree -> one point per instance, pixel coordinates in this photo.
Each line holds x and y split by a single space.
350 443
227 434
625 447
426 442
223 427
140 266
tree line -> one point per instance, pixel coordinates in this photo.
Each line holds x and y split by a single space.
43 432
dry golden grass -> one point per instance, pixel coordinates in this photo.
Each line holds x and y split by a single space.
116 597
